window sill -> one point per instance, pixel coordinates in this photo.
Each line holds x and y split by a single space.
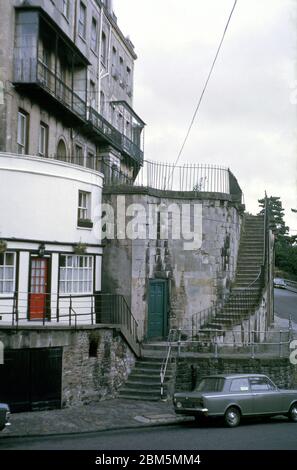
65 17
85 224
94 52
82 38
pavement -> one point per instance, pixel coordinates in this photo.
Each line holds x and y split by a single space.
105 415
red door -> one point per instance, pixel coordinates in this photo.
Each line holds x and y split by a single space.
38 288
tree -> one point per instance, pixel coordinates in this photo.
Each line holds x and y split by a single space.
276 217
285 248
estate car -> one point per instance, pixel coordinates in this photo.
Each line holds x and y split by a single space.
234 396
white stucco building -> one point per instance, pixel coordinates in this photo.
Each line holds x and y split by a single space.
50 213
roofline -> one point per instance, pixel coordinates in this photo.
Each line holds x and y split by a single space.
126 105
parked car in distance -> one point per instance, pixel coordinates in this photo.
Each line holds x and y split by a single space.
279 282
4 416
235 396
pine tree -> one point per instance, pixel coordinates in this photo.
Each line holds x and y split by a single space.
276 217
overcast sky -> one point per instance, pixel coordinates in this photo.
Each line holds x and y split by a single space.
247 120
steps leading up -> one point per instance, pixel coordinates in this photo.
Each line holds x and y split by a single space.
144 382
250 257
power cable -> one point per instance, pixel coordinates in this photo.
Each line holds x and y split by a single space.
205 86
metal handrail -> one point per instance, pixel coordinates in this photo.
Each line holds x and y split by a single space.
165 362
242 292
84 307
249 343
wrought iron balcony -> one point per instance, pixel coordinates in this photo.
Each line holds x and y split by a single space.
38 77
108 133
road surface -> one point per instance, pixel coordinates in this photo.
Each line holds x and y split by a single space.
285 304
277 434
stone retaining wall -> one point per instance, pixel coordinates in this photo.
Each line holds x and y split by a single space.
95 365
189 370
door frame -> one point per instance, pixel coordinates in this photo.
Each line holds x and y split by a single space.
47 313
165 283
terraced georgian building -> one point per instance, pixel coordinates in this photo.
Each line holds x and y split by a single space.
66 121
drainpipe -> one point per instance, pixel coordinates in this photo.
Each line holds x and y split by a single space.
99 61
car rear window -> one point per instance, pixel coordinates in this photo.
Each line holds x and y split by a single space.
210 384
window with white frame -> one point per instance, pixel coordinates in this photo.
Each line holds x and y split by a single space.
91 161
7 272
94 35
84 203
22 135
103 48
76 274
79 156
92 94
65 8
82 20
43 139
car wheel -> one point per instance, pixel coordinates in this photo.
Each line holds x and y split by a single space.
293 413
232 417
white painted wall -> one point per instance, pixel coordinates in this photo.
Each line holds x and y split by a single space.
38 203
39 199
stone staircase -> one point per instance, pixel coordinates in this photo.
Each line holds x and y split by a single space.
144 381
250 258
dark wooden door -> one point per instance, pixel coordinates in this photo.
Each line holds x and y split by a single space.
30 379
38 288
157 309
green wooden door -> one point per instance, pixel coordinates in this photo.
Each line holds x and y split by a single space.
157 309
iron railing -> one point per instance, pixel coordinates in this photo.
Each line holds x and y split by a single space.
34 71
188 177
115 137
194 178
113 176
291 285
239 303
173 336
71 310
249 343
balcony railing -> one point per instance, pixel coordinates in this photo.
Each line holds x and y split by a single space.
33 71
115 137
73 311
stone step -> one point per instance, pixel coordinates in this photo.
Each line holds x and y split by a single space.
213 325
154 347
147 364
141 378
130 390
250 270
252 259
129 396
146 371
143 386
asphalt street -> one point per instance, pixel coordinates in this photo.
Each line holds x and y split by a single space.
285 304
276 434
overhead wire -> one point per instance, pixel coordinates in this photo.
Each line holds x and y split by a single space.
205 86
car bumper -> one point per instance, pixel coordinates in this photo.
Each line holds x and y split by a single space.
191 411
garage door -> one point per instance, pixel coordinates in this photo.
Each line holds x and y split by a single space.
31 379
